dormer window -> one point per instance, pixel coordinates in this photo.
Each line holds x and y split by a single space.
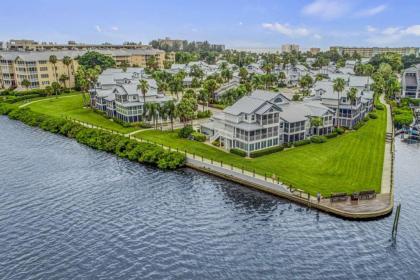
278 100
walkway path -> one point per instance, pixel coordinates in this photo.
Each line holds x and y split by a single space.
39 100
387 177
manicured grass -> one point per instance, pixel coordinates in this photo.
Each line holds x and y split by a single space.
348 163
72 106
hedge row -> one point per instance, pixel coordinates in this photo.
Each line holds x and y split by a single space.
99 139
10 92
302 142
238 152
318 139
267 151
15 99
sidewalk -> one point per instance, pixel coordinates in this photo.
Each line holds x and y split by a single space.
386 185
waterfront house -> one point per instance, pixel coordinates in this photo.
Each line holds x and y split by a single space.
351 111
116 94
267 119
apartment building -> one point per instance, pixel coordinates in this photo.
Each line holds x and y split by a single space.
287 48
315 51
267 119
35 67
410 82
139 57
31 45
15 67
116 94
370 52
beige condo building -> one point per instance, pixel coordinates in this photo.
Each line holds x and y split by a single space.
368 52
15 67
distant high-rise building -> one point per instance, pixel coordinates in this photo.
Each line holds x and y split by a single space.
286 48
314 51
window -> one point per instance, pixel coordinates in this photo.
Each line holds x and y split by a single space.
44 76
44 68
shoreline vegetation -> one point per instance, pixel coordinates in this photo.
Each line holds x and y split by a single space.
98 139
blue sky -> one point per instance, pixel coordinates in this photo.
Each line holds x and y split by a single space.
236 23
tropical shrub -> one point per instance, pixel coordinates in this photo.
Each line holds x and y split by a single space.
332 135
302 142
359 125
238 152
216 143
373 115
339 130
267 151
5 109
204 114
186 131
197 136
318 139
379 107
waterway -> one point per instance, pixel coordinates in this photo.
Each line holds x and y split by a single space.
71 212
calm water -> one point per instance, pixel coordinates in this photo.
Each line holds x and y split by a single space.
70 212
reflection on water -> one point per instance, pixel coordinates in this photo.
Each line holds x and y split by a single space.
69 212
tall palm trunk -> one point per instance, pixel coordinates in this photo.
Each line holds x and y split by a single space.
338 110
68 73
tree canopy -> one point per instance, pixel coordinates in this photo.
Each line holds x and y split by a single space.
92 59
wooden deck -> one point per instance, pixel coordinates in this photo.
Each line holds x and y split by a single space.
378 204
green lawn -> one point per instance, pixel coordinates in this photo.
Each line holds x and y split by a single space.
351 162
72 106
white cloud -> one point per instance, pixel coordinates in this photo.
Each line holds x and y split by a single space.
394 35
371 11
371 29
98 28
390 31
240 23
317 37
286 29
326 9
115 28
412 30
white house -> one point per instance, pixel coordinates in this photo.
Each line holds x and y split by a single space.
266 119
116 93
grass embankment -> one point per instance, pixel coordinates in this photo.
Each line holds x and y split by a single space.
348 163
72 106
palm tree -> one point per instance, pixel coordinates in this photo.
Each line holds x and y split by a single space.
26 83
162 113
282 77
143 86
352 95
175 85
203 96
210 86
152 112
67 61
338 86
63 78
53 61
226 74
368 71
170 111
316 122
